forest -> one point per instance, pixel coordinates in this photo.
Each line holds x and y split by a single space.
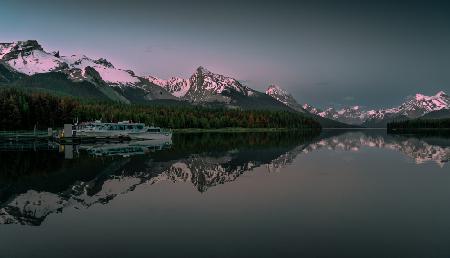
419 124
21 110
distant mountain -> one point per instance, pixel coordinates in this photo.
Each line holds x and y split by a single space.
351 115
417 106
287 99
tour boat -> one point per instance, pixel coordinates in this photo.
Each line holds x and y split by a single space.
125 129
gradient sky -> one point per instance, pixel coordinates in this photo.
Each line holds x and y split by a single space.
370 53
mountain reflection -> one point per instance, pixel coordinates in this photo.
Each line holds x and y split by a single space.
421 150
40 180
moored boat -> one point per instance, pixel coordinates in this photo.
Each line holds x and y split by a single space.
125 129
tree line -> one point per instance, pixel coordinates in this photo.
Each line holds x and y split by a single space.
22 111
417 124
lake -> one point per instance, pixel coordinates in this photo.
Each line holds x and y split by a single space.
338 194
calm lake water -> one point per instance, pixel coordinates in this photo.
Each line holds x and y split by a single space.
340 194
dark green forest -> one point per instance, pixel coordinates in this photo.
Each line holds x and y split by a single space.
419 124
20 110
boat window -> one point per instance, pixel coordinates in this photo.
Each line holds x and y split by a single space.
140 127
153 130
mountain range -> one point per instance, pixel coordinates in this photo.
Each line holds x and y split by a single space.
25 64
436 106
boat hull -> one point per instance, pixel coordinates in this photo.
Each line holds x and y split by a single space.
129 135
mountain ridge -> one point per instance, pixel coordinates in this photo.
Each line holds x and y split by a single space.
25 63
416 106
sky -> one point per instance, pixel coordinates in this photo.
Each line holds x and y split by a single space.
339 53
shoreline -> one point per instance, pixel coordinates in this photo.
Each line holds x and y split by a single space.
236 130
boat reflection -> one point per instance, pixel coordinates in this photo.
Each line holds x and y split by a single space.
126 149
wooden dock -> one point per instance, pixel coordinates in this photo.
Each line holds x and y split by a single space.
23 135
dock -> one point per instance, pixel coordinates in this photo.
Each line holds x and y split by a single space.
23 135
46 136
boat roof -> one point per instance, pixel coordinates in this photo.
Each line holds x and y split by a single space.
118 123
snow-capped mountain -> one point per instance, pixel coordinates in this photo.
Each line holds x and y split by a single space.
350 115
203 86
178 87
208 88
28 58
416 106
284 97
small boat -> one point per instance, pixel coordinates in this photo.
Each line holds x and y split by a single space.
125 129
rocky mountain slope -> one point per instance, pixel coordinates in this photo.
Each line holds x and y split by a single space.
287 99
284 97
211 89
26 64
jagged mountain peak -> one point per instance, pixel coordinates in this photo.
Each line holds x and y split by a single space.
421 97
280 94
28 57
18 48
104 62
203 70
274 89
284 97
441 94
176 86
207 86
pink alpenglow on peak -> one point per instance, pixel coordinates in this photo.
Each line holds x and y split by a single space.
28 57
416 106
275 89
178 87
441 94
285 97
420 96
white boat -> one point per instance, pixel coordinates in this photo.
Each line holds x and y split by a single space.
125 129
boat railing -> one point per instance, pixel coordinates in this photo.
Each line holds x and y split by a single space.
23 134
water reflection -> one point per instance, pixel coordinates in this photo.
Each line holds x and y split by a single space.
38 180
420 149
